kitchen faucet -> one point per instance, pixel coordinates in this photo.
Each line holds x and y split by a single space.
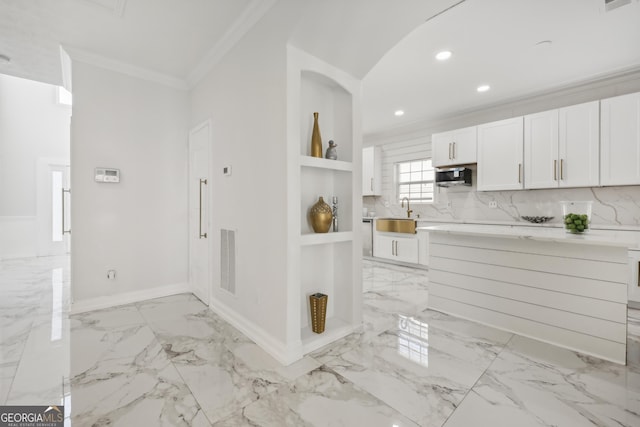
408 210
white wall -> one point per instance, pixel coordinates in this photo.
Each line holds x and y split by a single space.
618 206
32 125
139 226
245 98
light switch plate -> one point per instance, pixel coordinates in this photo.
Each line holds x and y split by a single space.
226 170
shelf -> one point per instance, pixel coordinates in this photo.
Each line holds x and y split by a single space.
335 329
324 238
322 163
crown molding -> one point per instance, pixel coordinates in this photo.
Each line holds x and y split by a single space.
124 68
249 17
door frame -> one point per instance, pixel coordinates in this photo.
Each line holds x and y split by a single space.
209 288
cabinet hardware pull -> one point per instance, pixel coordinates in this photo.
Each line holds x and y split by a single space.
393 253
396 242
371 184
555 170
519 173
63 230
454 151
449 151
639 274
561 168
201 236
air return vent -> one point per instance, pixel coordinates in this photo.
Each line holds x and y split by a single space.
613 4
228 260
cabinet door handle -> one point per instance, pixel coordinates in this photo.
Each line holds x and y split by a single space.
454 151
561 168
555 170
638 277
201 235
371 184
519 173
396 243
449 151
393 251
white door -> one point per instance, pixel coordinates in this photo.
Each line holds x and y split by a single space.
464 145
199 233
53 207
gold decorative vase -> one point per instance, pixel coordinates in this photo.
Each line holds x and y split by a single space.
318 307
316 140
320 216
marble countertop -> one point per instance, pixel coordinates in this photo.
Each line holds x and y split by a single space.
623 238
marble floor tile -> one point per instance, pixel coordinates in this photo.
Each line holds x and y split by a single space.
122 376
421 370
7 373
170 307
42 344
537 384
172 361
225 377
320 398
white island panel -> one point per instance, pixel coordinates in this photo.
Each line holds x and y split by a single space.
546 287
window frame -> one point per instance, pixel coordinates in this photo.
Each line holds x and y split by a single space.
397 182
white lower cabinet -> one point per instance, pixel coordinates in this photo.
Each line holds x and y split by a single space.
634 279
423 248
396 247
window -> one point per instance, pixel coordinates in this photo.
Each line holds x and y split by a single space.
414 180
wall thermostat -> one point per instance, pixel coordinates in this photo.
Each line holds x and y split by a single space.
107 175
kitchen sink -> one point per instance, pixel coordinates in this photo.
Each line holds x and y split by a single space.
396 225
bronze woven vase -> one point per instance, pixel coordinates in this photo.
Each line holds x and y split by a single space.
318 307
316 140
320 216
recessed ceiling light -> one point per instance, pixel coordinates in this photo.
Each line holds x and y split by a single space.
444 55
4 59
399 113
483 88
543 43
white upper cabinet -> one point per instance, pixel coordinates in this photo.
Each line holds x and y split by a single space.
561 147
500 147
579 145
371 171
620 140
456 147
541 149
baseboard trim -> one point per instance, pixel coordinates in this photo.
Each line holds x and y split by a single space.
99 303
268 343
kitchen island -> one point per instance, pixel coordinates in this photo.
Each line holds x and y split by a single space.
568 290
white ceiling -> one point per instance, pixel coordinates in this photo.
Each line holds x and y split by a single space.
494 42
169 37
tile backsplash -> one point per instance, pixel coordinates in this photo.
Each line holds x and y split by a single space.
612 206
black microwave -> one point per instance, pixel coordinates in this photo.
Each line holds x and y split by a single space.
453 176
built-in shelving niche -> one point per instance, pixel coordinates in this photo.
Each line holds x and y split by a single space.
330 262
334 104
327 259
327 269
